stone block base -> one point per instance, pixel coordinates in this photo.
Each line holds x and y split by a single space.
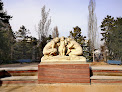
63 73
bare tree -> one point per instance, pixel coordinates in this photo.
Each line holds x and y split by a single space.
43 29
44 24
92 25
55 32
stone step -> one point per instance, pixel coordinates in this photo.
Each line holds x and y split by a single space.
106 71
19 71
106 67
19 68
19 80
15 78
106 79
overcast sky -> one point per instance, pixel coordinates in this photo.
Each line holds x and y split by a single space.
65 14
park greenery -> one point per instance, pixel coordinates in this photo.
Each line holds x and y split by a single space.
6 35
112 35
12 49
18 45
76 34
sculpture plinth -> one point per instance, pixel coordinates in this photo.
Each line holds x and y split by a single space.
63 59
62 63
63 73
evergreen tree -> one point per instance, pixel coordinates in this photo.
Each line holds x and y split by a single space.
76 35
112 35
6 36
22 32
3 15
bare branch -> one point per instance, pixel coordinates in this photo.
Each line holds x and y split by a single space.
92 25
44 24
55 33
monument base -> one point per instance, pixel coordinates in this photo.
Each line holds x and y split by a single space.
63 59
63 73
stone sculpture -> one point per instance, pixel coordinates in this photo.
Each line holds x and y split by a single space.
74 49
51 48
62 49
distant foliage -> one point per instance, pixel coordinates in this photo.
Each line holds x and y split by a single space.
22 32
25 46
3 14
6 36
55 32
112 35
25 50
76 35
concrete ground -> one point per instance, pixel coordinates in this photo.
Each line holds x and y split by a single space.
62 88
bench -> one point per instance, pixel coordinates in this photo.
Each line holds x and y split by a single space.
24 60
114 62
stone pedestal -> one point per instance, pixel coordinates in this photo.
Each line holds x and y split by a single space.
63 73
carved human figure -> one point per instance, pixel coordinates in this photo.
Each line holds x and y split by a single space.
73 48
62 47
51 48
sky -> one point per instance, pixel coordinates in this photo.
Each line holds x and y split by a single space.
65 14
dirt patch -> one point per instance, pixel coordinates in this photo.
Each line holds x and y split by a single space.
98 63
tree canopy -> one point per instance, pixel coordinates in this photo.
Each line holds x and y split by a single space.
6 35
76 35
112 35
3 14
22 32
